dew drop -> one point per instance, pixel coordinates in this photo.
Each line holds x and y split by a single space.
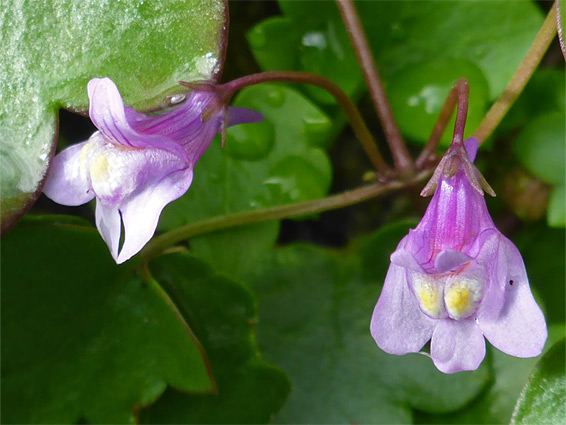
177 98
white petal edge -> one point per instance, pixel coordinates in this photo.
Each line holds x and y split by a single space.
109 226
64 183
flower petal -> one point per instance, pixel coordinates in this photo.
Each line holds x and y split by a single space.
65 185
517 327
109 226
449 260
406 260
471 146
141 211
118 123
398 325
238 115
457 345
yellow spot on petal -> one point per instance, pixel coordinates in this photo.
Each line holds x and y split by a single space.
461 298
99 168
429 295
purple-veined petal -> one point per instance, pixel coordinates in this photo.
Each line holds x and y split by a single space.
65 185
114 121
141 211
398 325
516 325
449 260
109 226
457 345
406 260
471 146
238 115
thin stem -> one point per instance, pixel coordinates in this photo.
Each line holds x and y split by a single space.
403 162
519 80
352 197
559 28
351 111
462 112
441 123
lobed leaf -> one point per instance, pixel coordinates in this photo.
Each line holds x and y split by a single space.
223 314
50 50
86 338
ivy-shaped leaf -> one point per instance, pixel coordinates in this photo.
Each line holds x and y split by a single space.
83 337
223 314
50 50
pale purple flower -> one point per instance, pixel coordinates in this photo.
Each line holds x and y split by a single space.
456 279
136 163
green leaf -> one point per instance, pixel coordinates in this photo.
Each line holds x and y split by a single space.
418 92
310 36
542 400
293 167
540 148
542 95
314 311
556 214
223 314
83 337
51 50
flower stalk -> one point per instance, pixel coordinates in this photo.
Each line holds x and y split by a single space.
341 200
428 152
227 91
403 161
526 69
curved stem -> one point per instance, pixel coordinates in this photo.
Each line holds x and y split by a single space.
519 80
401 157
352 114
441 123
559 28
352 197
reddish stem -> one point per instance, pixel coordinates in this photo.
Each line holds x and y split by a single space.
462 111
402 159
434 140
226 91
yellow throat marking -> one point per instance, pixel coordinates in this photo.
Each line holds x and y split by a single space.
462 298
429 296
99 168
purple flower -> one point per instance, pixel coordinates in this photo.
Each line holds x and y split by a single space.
135 164
456 279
